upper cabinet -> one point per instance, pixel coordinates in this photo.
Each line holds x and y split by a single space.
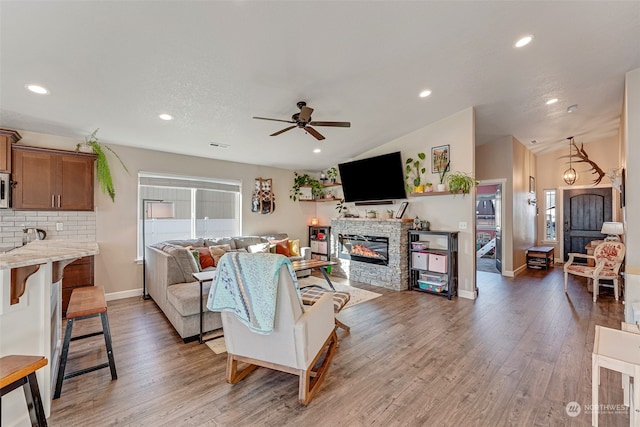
48 179
7 137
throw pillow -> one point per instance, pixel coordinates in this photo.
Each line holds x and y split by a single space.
196 256
217 252
282 247
294 247
258 248
206 260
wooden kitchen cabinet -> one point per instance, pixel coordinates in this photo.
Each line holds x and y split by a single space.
48 179
7 137
78 274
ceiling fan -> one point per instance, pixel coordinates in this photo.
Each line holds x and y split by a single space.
303 120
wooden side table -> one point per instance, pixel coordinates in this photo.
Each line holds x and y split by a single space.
540 257
618 351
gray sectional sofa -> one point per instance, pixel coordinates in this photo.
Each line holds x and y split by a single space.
169 266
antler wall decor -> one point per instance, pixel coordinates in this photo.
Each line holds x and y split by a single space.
584 158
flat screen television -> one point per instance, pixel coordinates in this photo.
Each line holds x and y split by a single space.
373 179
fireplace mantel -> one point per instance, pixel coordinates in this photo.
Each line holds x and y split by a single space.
393 276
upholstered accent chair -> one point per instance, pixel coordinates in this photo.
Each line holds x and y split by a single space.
607 257
300 337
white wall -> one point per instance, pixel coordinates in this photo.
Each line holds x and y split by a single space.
444 212
116 223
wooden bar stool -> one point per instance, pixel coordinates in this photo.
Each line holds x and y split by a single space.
16 371
85 303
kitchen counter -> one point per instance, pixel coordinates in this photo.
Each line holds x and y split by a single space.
30 312
43 251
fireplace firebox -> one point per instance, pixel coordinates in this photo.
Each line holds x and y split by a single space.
371 249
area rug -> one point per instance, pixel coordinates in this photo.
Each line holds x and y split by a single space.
357 296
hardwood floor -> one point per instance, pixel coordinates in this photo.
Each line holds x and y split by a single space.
514 357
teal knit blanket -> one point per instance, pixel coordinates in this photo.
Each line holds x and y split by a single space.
247 285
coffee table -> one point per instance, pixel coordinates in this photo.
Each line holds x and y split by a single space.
310 264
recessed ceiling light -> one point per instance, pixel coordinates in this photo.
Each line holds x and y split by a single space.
572 108
425 93
219 145
37 89
317 150
165 116
524 41
534 141
552 101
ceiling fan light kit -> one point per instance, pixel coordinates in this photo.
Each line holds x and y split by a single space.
303 120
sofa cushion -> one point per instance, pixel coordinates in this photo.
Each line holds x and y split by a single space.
246 241
185 297
186 264
221 241
205 258
196 256
196 243
294 247
258 248
217 252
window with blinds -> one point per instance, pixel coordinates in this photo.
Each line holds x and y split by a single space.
203 207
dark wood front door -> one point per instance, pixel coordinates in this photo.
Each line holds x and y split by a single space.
584 212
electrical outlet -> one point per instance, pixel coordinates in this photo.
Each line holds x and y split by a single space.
462 225
59 226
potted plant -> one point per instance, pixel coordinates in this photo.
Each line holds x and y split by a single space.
390 213
341 208
372 214
460 182
414 170
305 180
442 173
102 165
428 187
332 173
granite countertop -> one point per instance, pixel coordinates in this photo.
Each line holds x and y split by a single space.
43 251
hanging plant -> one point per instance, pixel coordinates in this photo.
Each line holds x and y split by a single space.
102 166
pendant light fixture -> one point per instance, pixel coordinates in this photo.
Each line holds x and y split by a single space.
570 175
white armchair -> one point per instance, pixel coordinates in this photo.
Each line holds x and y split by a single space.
298 340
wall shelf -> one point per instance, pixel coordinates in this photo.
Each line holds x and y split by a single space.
432 193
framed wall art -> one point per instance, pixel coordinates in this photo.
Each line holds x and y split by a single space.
439 158
403 207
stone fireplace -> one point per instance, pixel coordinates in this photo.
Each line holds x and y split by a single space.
371 251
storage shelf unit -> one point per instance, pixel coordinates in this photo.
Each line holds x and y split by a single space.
320 242
433 269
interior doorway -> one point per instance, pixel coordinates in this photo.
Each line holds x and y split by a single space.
489 228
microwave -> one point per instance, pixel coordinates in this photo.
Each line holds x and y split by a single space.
5 190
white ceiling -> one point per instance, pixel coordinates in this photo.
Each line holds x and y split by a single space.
213 65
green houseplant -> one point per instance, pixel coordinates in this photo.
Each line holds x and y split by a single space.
102 165
332 173
414 170
305 180
460 182
442 173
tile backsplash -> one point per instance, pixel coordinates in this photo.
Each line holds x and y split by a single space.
75 225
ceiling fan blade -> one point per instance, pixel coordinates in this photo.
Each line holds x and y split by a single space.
335 124
314 132
274 120
282 131
305 114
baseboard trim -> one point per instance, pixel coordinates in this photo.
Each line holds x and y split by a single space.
123 294
466 294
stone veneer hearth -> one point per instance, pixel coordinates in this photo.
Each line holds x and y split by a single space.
394 276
